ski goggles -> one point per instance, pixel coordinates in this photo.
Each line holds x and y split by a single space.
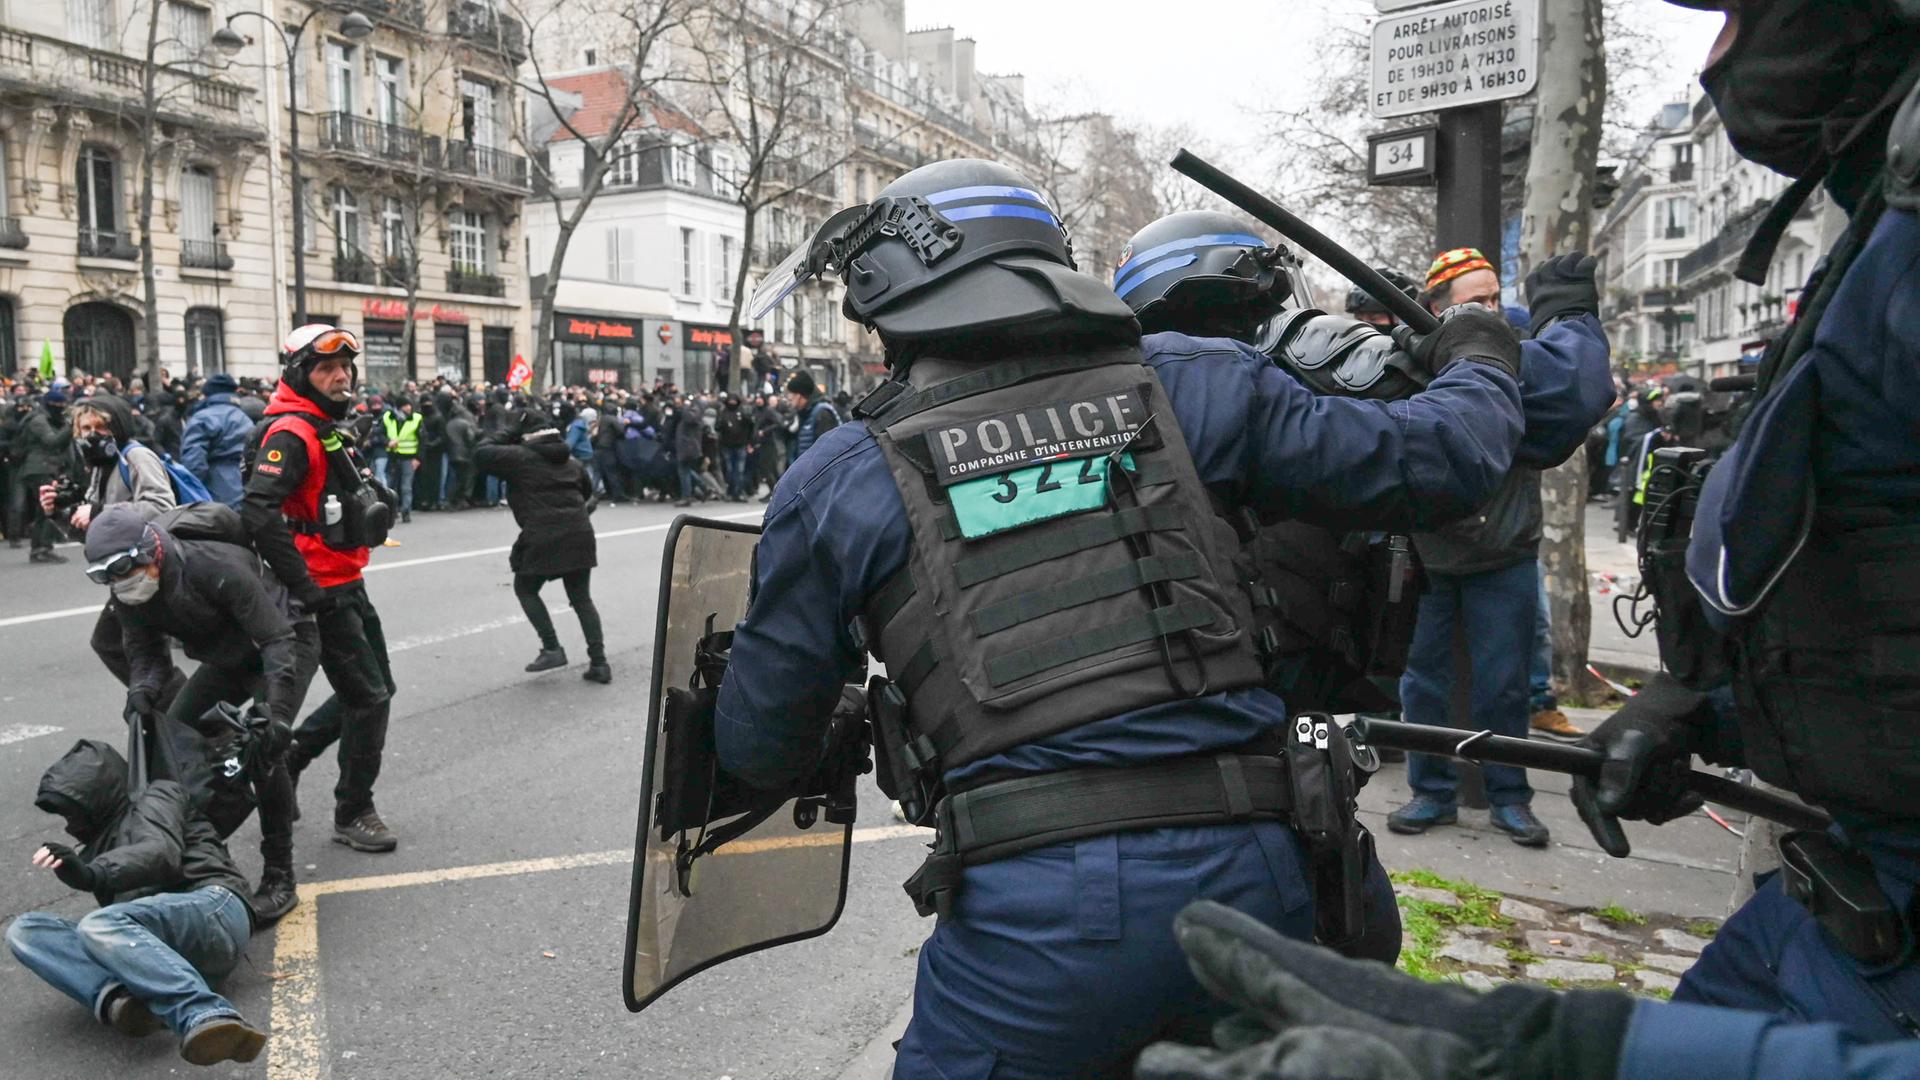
116 566
335 341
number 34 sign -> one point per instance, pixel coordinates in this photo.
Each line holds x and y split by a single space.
1402 157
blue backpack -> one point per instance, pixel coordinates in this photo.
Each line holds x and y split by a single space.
187 487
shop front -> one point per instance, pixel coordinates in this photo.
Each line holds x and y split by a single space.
599 350
702 342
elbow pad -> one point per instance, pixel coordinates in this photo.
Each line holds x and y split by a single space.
1342 357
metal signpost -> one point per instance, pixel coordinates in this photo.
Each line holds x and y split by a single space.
1458 60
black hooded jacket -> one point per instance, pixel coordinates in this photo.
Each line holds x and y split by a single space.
141 847
548 491
225 609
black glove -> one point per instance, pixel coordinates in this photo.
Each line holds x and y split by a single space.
1562 286
1466 332
74 872
141 701
275 737
1649 745
314 600
1309 1013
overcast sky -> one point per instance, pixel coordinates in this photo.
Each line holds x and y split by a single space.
1213 64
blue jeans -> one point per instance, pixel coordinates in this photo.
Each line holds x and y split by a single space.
733 461
162 949
378 463
496 490
1498 608
689 480
400 479
1540 671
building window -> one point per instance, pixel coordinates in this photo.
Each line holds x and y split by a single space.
192 26
1678 217
3 197
394 238
340 56
99 190
469 242
346 224
725 290
206 353
479 119
196 204
683 166
620 255
623 163
589 58
90 22
391 108
9 352
686 262
723 181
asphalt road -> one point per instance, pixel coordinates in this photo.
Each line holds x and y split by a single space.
452 965
490 944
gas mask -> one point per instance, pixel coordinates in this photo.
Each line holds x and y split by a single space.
99 448
136 589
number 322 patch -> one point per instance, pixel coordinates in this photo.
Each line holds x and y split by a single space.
1011 500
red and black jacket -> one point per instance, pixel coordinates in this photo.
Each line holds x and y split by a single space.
288 482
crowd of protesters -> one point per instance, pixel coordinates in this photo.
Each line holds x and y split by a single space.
658 443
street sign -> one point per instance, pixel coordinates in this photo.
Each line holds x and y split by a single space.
1385 7
1403 158
1450 55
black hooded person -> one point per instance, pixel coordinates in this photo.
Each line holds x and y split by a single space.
551 496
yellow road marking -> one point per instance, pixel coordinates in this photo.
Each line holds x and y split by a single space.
297 1050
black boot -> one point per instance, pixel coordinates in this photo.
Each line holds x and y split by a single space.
275 895
597 669
549 658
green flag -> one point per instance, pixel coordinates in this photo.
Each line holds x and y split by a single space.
46 360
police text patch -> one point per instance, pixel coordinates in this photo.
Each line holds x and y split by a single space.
1081 427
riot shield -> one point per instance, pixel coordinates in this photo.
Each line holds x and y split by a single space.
780 874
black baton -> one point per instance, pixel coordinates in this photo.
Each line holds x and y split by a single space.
1577 761
1310 239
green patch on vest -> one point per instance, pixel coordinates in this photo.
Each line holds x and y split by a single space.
1013 500
330 442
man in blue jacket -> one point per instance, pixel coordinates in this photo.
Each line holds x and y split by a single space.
1086 592
215 441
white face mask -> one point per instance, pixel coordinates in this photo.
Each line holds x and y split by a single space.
136 589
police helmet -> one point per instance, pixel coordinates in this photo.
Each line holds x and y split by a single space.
1202 272
1361 302
962 246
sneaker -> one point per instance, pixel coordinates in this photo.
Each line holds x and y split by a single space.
366 833
683 502
130 1016
275 895
1423 813
406 517
549 659
1553 722
599 672
46 555
222 1038
1519 824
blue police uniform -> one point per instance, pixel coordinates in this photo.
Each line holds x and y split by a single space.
1705 1043
1065 954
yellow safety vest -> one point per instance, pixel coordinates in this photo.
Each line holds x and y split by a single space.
402 438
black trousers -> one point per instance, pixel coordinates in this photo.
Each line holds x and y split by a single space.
460 487
578 585
353 653
33 523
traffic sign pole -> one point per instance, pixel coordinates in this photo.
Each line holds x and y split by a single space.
1468 177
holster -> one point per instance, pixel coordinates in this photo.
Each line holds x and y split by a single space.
1838 886
1326 771
905 764
1396 581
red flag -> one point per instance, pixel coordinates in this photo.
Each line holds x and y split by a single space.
520 374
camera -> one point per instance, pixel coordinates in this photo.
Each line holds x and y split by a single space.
67 494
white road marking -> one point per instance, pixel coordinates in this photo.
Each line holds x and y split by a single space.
68 613
434 639
22 732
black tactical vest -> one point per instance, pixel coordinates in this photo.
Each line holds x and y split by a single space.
1066 565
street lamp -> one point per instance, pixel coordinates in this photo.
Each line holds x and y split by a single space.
354 26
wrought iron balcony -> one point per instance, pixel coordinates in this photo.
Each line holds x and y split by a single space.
399 274
475 283
101 244
1659 298
1680 173
487 28
349 134
205 255
353 268
11 235
485 163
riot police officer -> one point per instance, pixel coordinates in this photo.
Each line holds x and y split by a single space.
1336 608
1363 305
1017 523
1819 642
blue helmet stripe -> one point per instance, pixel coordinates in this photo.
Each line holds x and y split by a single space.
1140 258
968 213
984 191
1152 270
